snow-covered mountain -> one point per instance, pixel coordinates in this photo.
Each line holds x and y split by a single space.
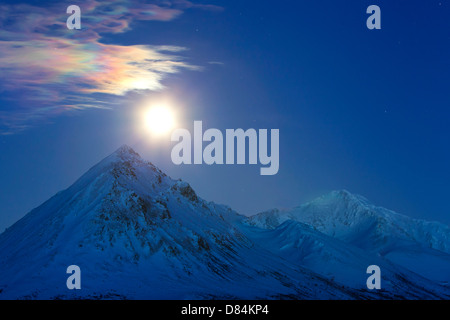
418 245
138 234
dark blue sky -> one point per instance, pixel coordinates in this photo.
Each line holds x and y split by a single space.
358 109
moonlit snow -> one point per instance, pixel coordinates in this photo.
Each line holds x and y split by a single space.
135 233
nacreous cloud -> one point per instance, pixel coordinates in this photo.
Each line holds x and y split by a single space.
47 68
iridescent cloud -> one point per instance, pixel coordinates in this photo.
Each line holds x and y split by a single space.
55 69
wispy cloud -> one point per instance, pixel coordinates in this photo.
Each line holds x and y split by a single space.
47 69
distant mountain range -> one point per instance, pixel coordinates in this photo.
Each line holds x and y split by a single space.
138 234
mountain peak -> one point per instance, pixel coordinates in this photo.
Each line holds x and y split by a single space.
125 153
342 192
343 196
126 150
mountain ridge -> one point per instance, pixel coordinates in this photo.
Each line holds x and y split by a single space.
138 234
346 209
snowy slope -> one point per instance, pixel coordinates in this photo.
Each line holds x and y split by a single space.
138 234
341 262
418 245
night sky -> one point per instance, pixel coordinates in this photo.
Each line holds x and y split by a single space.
357 109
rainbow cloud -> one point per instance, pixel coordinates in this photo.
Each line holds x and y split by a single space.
55 69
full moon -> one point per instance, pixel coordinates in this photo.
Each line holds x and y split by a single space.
160 119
